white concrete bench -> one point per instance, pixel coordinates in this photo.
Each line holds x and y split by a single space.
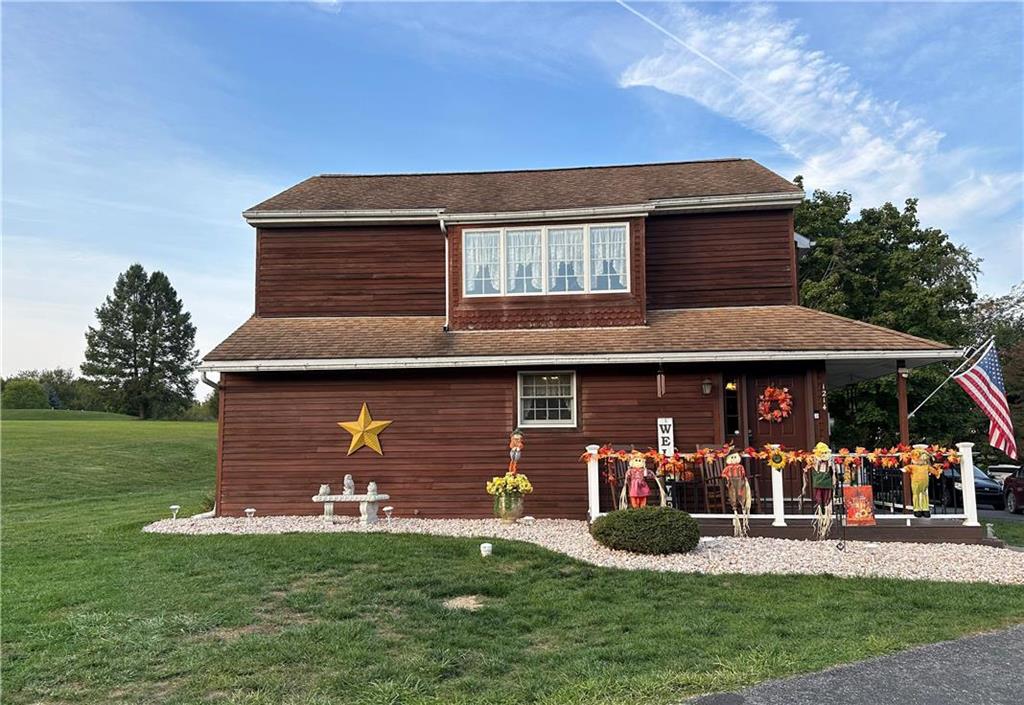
367 502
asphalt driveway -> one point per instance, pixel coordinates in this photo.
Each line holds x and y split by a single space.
984 669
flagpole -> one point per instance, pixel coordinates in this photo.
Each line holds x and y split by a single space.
984 346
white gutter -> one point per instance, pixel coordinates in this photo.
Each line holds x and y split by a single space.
753 200
386 363
308 217
635 210
444 232
423 215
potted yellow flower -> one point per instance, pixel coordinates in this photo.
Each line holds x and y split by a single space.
508 491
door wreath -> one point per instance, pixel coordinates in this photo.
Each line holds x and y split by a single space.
774 404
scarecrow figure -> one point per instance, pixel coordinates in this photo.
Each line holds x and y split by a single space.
515 450
822 481
738 487
919 469
636 480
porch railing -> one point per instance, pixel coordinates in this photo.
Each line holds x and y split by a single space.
788 498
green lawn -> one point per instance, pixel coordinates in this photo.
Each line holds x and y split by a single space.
97 612
61 415
1012 532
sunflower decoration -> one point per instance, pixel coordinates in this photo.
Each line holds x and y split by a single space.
777 457
774 404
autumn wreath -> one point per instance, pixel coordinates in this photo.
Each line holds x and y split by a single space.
775 404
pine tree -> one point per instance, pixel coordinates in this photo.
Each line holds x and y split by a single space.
142 353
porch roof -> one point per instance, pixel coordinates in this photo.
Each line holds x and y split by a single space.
851 349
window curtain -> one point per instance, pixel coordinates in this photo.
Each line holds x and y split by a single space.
565 259
524 262
608 258
483 263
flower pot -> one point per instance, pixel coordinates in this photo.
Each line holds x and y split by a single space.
508 507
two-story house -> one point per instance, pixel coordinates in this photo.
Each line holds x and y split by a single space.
580 305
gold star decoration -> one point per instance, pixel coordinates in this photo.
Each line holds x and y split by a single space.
364 431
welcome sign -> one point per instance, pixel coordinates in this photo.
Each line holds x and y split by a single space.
666 436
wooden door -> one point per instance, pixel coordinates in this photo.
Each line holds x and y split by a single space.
791 432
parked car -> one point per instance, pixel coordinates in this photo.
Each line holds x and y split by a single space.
1013 491
999 473
986 490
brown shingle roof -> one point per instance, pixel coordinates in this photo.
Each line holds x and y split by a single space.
744 328
512 191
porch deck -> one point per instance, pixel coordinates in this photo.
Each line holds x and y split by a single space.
888 529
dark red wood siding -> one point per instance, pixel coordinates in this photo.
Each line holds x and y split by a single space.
280 438
559 311
721 259
350 271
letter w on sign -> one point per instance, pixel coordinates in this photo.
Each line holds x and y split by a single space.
666 436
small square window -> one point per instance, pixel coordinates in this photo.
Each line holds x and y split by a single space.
547 399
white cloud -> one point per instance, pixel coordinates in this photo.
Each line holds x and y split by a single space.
761 72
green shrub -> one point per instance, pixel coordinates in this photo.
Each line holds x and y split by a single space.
655 530
24 394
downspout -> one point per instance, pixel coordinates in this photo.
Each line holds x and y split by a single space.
447 265
216 385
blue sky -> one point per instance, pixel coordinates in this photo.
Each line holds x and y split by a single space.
139 132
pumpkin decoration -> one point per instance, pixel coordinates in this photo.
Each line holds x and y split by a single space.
774 404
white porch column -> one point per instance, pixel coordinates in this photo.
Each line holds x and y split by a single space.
593 484
778 497
967 483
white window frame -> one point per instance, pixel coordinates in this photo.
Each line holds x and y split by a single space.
545 264
566 423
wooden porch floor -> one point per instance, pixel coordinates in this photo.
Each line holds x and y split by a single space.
919 531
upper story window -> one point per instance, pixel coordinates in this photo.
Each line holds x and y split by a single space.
555 259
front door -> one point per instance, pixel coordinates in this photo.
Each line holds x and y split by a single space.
791 432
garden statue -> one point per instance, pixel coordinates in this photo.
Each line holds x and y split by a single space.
371 491
919 469
324 491
636 480
822 481
515 450
738 487
350 486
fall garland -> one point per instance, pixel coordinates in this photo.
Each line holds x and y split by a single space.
774 404
780 457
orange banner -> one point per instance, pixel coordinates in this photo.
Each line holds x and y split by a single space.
860 505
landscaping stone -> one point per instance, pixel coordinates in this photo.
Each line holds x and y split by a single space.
719 555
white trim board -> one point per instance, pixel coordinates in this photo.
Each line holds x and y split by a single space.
783 199
921 357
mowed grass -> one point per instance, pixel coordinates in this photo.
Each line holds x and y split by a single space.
60 415
97 612
1012 532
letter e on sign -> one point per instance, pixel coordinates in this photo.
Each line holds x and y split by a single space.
666 436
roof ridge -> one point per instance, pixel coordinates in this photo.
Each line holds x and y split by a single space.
339 175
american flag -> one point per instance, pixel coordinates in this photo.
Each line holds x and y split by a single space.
984 384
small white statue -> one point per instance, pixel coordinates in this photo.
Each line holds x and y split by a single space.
350 485
324 490
371 489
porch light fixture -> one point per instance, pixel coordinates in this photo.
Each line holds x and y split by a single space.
705 387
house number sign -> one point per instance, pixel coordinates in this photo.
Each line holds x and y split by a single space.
666 436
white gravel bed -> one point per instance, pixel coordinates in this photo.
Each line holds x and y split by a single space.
752 556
